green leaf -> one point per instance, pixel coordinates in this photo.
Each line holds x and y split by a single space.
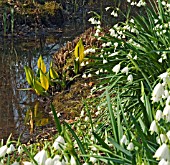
76 66
53 73
142 137
44 81
112 117
56 119
101 142
38 88
29 154
120 148
78 140
29 75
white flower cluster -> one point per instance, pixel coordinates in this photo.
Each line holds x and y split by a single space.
161 93
98 30
166 6
114 13
9 150
163 57
90 50
117 32
161 28
94 21
101 70
108 44
41 157
130 145
138 4
125 70
86 75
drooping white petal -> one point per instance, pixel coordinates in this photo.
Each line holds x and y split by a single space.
130 146
130 78
164 162
10 149
49 161
157 92
153 127
163 138
158 115
166 113
72 161
27 163
162 152
41 157
124 140
20 150
125 70
116 68
93 159
15 163
3 150
168 134
59 142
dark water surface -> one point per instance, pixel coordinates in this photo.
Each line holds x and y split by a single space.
20 111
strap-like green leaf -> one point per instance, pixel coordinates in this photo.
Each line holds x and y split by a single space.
44 81
78 140
29 75
38 88
53 73
56 119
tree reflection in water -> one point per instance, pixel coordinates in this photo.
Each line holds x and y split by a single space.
14 55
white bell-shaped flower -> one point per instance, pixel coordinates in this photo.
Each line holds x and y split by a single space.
125 70
116 68
158 115
93 159
56 157
49 161
41 157
15 163
124 140
59 142
163 138
130 78
27 163
85 163
166 113
157 93
20 150
153 127
164 162
3 150
10 149
72 161
130 146
162 152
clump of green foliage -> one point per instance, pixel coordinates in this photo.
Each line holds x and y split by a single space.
43 80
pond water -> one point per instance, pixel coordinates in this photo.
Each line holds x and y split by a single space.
20 110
